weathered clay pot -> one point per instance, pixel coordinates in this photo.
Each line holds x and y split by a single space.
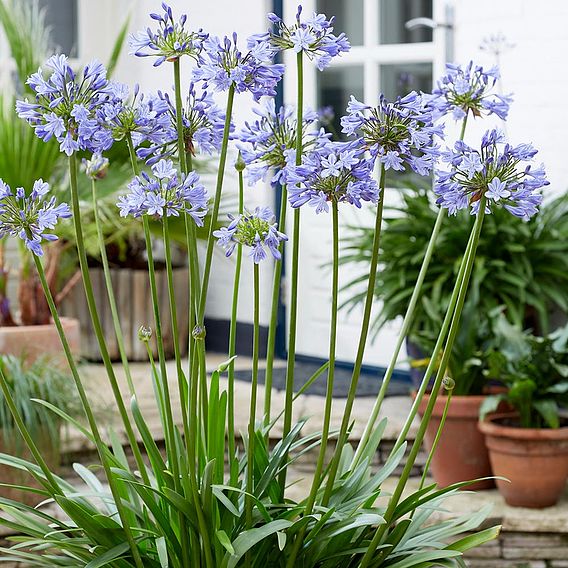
461 454
35 341
12 444
535 461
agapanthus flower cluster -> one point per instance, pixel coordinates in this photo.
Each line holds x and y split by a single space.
30 216
398 134
469 89
65 104
203 124
142 118
256 230
313 36
96 167
503 173
222 64
337 171
165 193
266 142
170 41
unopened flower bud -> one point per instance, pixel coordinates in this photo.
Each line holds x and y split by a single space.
144 333
198 332
449 383
240 163
96 167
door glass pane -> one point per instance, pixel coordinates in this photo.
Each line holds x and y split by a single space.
400 79
335 86
61 20
348 17
394 14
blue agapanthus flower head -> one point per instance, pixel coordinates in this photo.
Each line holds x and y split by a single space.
338 171
313 36
468 89
398 134
266 142
66 103
170 41
30 216
257 230
96 167
503 173
142 118
222 64
165 193
203 124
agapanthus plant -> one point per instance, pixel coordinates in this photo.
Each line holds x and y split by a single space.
466 89
170 41
257 231
31 216
313 36
165 193
398 134
65 104
503 173
266 142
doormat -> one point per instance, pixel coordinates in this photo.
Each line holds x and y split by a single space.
369 382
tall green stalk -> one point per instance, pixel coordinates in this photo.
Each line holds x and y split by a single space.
291 362
276 287
93 312
370 295
110 292
100 445
232 449
253 399
467 263
216 204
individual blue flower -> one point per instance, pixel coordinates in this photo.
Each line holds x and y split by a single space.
256 230
169 42
398 134
165 193
203 124
65 104
505 177
30 216
265 142
96 167
468 89
337 171
313 36
222 64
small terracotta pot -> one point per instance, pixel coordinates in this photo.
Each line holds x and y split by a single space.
535 461
461 454
35 341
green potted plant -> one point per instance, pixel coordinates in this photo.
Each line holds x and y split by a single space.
520 265
528 446
33 387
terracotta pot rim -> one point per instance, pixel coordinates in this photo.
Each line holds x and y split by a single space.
65 321
490 427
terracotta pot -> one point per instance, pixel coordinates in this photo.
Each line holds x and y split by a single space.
12 444
34 341
535 461
461 454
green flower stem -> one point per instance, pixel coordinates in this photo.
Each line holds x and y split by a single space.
94 314
276 286
216 204
407 322
344 429
232 448
253 399
179 117
110 292
169 434
291 362
100 445
51 483
467 262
